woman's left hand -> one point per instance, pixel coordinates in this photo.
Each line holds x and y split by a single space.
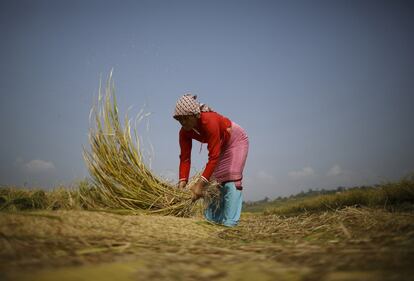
197 190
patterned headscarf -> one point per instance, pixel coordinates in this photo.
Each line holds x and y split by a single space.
187 105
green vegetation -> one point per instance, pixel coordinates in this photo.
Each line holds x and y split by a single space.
391 196
17 199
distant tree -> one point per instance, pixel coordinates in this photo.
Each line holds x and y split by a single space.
340 188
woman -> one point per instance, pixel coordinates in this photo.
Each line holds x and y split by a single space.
227 145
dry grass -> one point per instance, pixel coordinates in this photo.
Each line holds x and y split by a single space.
346 224
360 243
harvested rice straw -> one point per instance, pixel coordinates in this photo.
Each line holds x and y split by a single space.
121 179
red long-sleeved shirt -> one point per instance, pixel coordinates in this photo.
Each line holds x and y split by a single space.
211 128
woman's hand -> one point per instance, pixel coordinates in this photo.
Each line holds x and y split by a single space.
197 190
182 184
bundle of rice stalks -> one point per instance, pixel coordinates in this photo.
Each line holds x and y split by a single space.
121 179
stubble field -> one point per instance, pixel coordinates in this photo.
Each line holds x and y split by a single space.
347 244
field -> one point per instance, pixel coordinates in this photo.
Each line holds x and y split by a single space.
364 233
352 243
128 224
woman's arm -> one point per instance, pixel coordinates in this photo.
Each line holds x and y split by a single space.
185 155
212 129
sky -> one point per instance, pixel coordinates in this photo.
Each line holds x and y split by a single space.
324 89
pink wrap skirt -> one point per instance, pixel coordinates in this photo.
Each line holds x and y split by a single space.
233 157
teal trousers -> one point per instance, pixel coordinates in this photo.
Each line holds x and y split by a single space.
227 210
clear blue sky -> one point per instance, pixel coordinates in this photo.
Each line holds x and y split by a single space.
324 89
